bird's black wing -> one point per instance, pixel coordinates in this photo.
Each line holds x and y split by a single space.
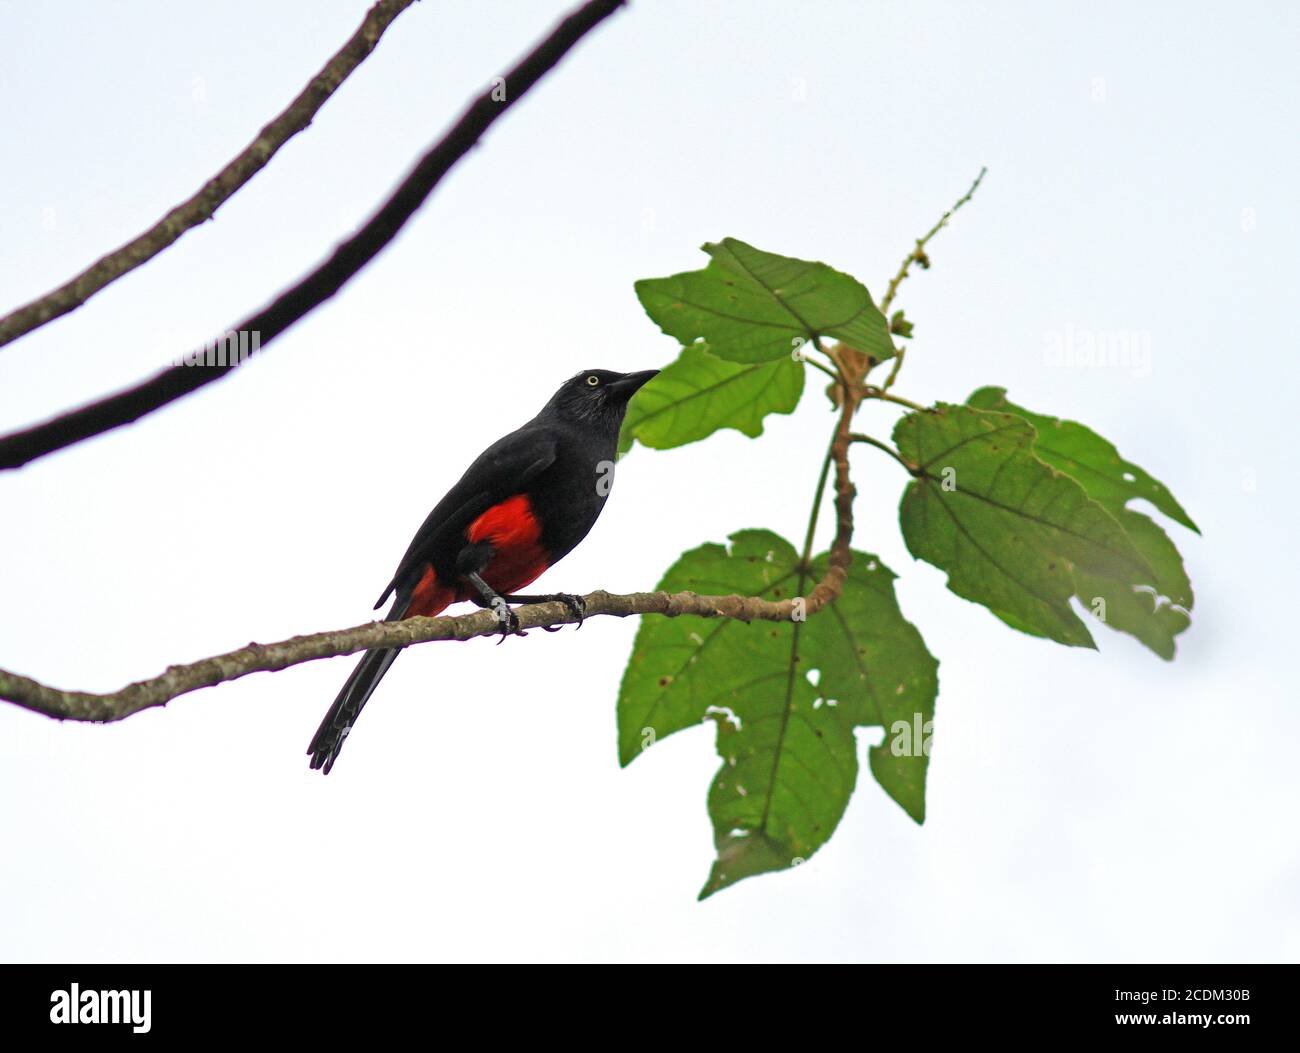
502 470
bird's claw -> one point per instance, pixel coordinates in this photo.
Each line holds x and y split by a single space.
576 604
509 624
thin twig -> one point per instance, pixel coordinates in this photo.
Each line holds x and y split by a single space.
917 255
21 447
837 571
216 191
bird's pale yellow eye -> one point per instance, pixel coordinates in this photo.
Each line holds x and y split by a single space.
593 380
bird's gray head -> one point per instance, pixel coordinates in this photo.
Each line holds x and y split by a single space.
597 397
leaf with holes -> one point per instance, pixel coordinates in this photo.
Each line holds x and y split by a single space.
753 306
1010 531
699 394
872 660
790 757
1153 610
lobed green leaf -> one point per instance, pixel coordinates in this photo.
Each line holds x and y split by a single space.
786 697
753 306
1009 530
699 394
1154 608
1093 462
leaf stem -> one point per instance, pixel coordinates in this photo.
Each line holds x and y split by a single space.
893 372
881 393
855 437
805 569
813 515
825 369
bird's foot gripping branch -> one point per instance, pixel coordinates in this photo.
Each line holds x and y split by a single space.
787 651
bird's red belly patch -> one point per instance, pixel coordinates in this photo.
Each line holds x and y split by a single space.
519 559
430 597
513 531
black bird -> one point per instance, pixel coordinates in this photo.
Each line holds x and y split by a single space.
523 505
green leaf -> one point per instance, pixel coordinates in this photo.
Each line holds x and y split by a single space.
1008 529
874 662
699 394
790 757
1092 461
899 325
1154 609
682 666
754 306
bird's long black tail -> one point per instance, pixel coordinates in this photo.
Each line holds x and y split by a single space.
328 740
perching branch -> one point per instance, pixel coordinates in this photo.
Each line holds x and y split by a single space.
216 191
21 447
258 658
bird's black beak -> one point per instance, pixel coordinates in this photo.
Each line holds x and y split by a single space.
630 383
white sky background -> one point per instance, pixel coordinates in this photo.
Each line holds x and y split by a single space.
1082 805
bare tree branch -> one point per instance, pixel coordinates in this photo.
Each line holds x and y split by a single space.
256 658
21 447
216 191
261 658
